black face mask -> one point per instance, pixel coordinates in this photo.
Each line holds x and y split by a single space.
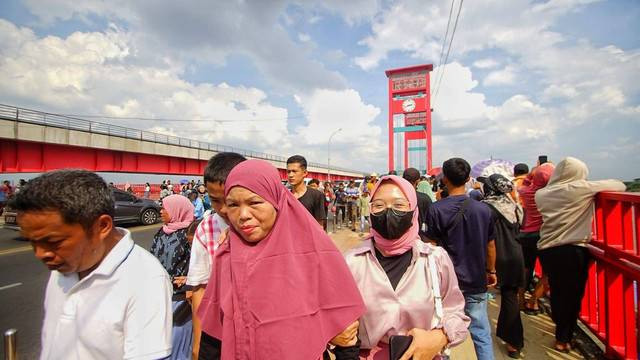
392 224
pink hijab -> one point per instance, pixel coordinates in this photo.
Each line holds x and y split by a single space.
181 211
405 242
288 295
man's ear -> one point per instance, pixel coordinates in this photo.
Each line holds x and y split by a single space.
103 225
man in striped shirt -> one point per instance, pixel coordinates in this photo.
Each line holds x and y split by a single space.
206 241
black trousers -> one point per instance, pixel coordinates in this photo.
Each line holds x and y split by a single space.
210 347
567 268
529 243
509 323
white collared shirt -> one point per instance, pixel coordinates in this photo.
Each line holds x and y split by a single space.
121 310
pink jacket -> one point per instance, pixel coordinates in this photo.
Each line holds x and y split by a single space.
411 304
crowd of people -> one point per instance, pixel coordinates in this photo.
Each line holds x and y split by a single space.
256 276
7 190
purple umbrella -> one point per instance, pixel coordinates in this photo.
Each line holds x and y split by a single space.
492 166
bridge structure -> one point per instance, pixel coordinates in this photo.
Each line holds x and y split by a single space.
35 142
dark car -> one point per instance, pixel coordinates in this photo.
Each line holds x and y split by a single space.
129 209
10 218
132 209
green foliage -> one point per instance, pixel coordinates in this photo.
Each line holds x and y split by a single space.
633 186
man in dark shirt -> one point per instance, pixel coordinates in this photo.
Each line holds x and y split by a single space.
312 199
341 205
412 175
464 228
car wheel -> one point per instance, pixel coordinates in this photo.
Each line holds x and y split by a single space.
149 217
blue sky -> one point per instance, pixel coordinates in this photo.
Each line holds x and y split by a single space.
523 78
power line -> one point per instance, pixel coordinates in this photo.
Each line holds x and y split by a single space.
444 40
179 120
446 58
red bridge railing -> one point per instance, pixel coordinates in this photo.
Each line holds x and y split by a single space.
610 304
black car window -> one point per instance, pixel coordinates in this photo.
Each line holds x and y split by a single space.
119 196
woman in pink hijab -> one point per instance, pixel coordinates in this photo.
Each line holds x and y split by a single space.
280 289
172 248
409 287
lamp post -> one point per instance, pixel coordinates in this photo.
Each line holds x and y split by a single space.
329 154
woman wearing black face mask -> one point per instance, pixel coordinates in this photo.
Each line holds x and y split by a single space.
393 270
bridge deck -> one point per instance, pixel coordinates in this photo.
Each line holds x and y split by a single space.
538 330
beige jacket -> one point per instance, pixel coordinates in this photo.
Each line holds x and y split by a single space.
567 204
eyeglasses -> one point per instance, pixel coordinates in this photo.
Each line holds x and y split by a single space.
398 205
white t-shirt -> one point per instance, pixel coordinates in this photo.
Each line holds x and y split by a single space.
122 310
205 242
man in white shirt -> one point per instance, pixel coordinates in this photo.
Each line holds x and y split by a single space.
206 241
107 298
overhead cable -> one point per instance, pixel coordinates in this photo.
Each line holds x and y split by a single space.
446 58
444 41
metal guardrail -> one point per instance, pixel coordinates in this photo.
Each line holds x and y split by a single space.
14 113
10 344
610 304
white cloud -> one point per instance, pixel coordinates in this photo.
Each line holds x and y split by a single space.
485 63
465 125
329 110
505 76
353 11
91 73
334 56
314 19
456 102
209 32
304 37
559 91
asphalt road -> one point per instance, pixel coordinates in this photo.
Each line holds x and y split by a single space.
22 284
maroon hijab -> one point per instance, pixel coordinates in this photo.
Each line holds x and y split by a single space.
285 297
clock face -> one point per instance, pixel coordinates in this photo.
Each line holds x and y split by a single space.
408 105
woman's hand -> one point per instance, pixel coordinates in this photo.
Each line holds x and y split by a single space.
426 344
223 236
178 281
348 337
492 280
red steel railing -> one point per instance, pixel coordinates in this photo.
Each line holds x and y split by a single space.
610 304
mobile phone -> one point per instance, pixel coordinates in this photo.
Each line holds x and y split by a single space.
542 159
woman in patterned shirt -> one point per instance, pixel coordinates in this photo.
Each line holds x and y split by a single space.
171 247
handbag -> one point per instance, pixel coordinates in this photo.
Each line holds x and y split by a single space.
398 345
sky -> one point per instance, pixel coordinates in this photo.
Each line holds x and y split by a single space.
523 77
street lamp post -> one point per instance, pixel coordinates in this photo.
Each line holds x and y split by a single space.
329 154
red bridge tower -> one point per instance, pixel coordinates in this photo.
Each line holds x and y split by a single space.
410 118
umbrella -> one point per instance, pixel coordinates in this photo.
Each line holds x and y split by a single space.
184 182
492 166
